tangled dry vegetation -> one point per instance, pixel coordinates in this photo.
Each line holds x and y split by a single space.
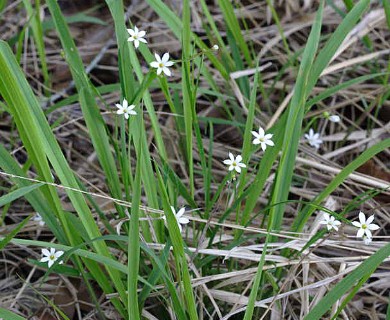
363 107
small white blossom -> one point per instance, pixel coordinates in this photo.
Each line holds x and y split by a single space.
38 218
51 256
179 217
334 118
330 222
365 226
125 109
136 36
162 64
313 139
262 138
367 240
234 163
215 47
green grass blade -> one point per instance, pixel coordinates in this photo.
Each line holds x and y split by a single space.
21 192
188 104
36 26
6 314
334 42
133 254
13 233
182 271
293 126
234 27
367 267
307 211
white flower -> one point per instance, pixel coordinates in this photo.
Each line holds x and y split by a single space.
313 139
215 47
234 163
38 218
162 63
365 226
334 118
125 109
136 36
330 222
179 219
262 138
51 256
367 240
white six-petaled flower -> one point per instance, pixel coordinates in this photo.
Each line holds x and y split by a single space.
162 64
38 218
51 256
125 109
234 163
179 217
330 222
262 138
136 36
313 138
365 226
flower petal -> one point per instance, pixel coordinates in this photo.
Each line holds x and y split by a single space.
141 34
357 224
159 70
154 64
370 219
360 233
368 233
169 64
183 220
180 212
362 217
165 57
131 32
227 161
239 158
238 169
261 132
158 59
167 71
45 252
373 226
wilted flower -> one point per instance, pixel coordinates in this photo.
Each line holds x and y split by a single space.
330 222
234 163
215 47
38 218
313 139
51 256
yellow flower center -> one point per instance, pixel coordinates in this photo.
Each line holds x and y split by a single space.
135 36
261 139
52 257
364 226
234 164
161 65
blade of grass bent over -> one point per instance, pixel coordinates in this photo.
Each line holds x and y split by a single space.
293 126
